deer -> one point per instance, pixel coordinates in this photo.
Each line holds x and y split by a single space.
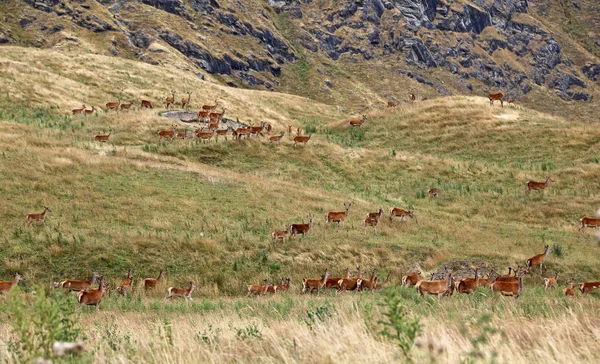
513 289
351 284
79 285
126 285
185 101
255 289
315 284
587 287
276 235
411 279
181 135
296 229
438 287
221 132
332 282
210 107
370 222
468 285
7 286
113 105
369 283
301 139
29 219
273 289
146 104
276 138
533 185
499 96
375 215
386 282
570 291
392 103
289 131
512 102
257 129
285 286
78 111
90 111
183 293
432 192
93 297
104 137
170 100
510 277
204 135
241 132
358 122
203 116
551 282
217 117
395 211
268 127
149 283
167 133
298 131
412 97
538 259
338 217
589 221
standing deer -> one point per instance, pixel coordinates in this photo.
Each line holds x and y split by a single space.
29 219
437 287
369 283
588 287
104 137
146 104
589 221
351 284
395 211
411 279
276 138
468 285
499 96
432 192
338 217
315 284
178 292
210 107
78 111
90 111
370 222
167 133
570 290
538 259
551 282
301 139
113 105
296 229
332 282
170 100
149 283
375 215
93 297
6 286
533 185
358 122
276 235
185 101
255 289
513 289
126 285
78 285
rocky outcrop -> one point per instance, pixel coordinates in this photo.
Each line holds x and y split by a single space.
592 71
170 6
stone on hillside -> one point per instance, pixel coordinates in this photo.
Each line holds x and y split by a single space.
592 71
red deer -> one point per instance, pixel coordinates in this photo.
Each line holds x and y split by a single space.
126 285
375 215
210 107
298 132
332 282
570 291
127 106
93 297
468 285
241 132
512 102
104 137
178 292
533 185
185 102
268 127
513 289
29 219
149 283
90 111
276 235
257 129
113 105
146 104
273 289
181 135
589 221
296 229
78 285
338 217
392 103
351 284
276 138
203 116
285 286
290 131
509 277
369 283
167 133
315 284
204 135
550 282
170 100
499 96
538 259
358 122
395 211
588 287
217 117
438 287
301 139
432 192
370 222
412 98
411 279
221 132
78 111
256 289
6 286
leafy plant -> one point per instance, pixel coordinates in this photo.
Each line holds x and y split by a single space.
479 332
397 324
250 331
317 315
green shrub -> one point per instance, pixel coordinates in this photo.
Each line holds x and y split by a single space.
397 325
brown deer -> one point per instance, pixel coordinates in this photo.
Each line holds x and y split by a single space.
570 291
440 288
276 138
412 98
311 285
370 284
221 132
432 192
533 185
392 103
332 282
170 100
126 285
370 222
268 127
256 289
296 229
468 285
210 107
257 129
589 221
149 283
182 135
90 111
204 135
395 211
289 131
411 279
29 219
551 282
203 116
338 217
375 215
127 106
170 134
185 101
512 102
241 132
183 293
351 284
276 235
513 289
358 122
510 277
146 104
78 285
113 105
588 287
104 137
78 111
6 286
273 289
499 96
538 259
93 297
301 139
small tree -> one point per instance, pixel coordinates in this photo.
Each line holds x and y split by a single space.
397 325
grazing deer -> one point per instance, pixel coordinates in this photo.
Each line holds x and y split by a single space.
338 217
178 292
126 285
78 111
468 285
538 259
296 229
440 288
301 139
395 211
432 192
93 297
332 282
167 133
412 98
256 289
351 284
589 221
499 96
375 215
551 282
204 135
570 291
185 101
113 105
78 285
588 287
369 283
411 279
170 100
104 137
90 111
533 185
146 104
6 286
210 107
29 219
513 289
392 103
276 235
358 122
276 138
315 284
370 222
149 283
